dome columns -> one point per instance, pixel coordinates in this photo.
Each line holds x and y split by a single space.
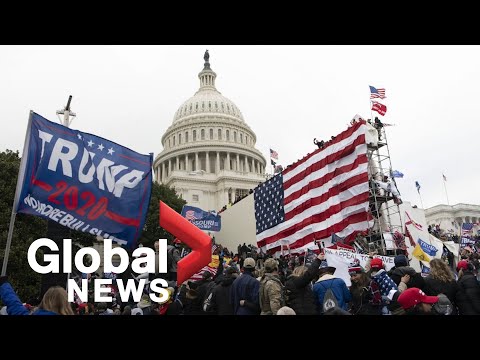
202 161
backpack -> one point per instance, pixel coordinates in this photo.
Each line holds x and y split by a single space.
208 303
329 300
443 306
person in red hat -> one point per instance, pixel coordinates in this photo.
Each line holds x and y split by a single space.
415 302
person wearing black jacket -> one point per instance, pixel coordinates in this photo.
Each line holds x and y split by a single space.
221 303
468 295
298 288
441 281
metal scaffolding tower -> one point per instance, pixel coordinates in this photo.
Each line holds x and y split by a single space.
384 204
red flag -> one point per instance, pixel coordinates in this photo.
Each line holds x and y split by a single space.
378 107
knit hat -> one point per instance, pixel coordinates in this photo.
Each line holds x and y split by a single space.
400 260
324 268
355 268
376 264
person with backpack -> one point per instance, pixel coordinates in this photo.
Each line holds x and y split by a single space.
330 291
271 289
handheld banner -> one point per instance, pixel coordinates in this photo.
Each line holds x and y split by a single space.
85 182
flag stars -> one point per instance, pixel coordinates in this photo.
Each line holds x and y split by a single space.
79 136
90 143
111 151
101 147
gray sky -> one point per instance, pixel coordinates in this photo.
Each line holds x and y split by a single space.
287 94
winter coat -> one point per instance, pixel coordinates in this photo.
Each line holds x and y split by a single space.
433 287
14 305
245 287
338 287
366 300
271 294
416 279
176 258
468 295
221 302
299 291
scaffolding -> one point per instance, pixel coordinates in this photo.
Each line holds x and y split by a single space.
384 200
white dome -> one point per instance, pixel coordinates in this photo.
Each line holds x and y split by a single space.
207 101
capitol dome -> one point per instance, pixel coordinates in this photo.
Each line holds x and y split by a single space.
207 101
209 153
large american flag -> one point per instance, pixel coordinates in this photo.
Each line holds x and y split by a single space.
324 193
376 93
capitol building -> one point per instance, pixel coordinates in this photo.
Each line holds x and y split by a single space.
209 155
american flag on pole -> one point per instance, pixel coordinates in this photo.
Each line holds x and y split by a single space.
326 192
379 108
377 93
273 154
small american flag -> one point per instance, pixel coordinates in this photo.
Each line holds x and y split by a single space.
190 215
377 93
273 154
467 228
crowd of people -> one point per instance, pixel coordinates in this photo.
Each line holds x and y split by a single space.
250 282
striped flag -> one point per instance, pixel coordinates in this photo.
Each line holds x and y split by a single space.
467 228
273 154
411 221
212 267
376 93
326 192
379 108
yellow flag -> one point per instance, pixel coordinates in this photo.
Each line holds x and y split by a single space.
420 254
215 261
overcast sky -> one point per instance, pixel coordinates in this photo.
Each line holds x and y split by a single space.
288 95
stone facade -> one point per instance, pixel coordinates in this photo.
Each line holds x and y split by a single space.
209 153
451 217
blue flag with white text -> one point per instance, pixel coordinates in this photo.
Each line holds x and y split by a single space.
84 182
204 220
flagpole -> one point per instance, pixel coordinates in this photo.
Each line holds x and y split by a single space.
20 178
445 187
421 201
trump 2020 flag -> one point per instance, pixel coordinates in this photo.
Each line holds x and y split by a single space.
204 220
326 192
85 182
